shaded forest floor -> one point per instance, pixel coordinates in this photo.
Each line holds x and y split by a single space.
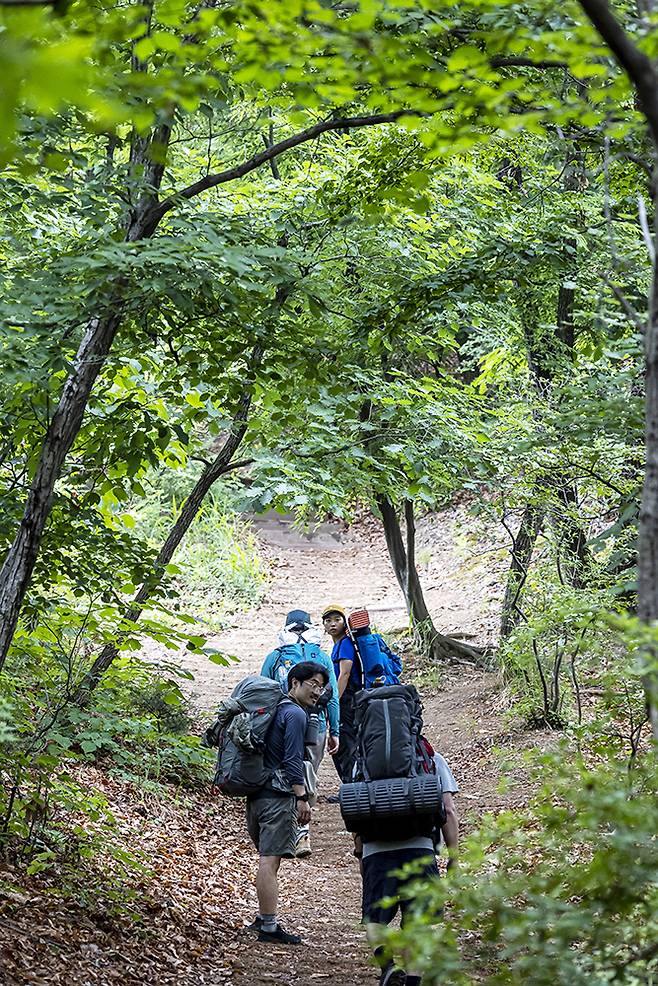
186 922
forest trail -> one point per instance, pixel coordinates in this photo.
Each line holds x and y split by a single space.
185 924
462 578
320 897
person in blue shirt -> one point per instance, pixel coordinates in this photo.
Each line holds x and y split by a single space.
347 669
300 641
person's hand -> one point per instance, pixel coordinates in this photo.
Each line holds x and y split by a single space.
332 745
303 812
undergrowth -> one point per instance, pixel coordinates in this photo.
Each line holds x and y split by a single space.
563 894
217 569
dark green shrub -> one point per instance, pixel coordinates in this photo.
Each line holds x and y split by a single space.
564 894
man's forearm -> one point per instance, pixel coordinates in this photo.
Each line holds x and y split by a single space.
450 828
451 834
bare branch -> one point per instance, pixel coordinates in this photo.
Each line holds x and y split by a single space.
513 61
646 232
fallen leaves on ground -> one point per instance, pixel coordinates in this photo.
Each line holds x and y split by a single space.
179 928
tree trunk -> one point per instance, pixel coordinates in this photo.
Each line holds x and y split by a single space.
66 422
522 548
643 74
648 528
572 541
21 557
414 595
220 466
395 544
440 646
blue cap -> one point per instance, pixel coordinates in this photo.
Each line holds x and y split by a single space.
296 616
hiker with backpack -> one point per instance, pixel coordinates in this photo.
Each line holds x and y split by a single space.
260 733
300 641
381 864
348 675
273 814
362 660
399 805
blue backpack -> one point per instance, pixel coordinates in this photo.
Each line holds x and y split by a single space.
379 664
290 654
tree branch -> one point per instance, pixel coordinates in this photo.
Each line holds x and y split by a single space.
272 152
638 65
646 232
513 61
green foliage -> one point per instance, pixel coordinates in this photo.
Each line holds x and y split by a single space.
139 726
50 815
564 894
6 730
218 568
564 649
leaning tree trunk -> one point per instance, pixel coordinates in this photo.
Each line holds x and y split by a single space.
522 547
440 646
21 557
220 466
416 604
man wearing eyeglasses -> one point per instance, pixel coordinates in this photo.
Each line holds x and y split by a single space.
274 813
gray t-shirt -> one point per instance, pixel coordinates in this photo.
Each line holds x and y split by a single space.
449 785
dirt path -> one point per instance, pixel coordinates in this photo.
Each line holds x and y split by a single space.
320 897
462 577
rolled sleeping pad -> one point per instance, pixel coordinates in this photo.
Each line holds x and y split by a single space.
366 802
359 621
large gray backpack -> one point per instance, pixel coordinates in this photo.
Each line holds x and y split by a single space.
240 731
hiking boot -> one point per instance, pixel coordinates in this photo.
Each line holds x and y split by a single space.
392 976
333 799
279 937
255 925
303 849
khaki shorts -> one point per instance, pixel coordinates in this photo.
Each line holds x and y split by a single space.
272 824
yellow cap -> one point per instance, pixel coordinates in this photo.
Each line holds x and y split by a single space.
334 608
